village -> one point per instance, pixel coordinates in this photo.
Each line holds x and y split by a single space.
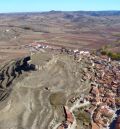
104 95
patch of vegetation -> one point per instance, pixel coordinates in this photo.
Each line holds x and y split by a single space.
26 28
58 98
116 34
113 55
117 100
83 116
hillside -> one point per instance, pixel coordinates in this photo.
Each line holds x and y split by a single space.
52 75
62 91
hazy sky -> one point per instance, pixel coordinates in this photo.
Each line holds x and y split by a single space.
66 5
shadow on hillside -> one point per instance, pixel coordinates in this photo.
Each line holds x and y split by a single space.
9 73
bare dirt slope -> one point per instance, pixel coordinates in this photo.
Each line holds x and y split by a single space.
37 98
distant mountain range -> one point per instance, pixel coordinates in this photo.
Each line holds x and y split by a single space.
90 13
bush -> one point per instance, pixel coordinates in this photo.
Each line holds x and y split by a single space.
103 52
112 55
26 28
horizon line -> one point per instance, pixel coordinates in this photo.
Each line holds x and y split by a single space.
59 11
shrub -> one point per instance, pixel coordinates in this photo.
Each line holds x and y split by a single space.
103 52
26 28
112 55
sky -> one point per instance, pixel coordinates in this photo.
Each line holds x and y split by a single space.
7 6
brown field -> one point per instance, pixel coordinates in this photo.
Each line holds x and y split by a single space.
81 30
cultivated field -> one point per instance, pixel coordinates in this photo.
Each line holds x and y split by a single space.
82 30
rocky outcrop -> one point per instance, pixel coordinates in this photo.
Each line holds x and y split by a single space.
11 71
